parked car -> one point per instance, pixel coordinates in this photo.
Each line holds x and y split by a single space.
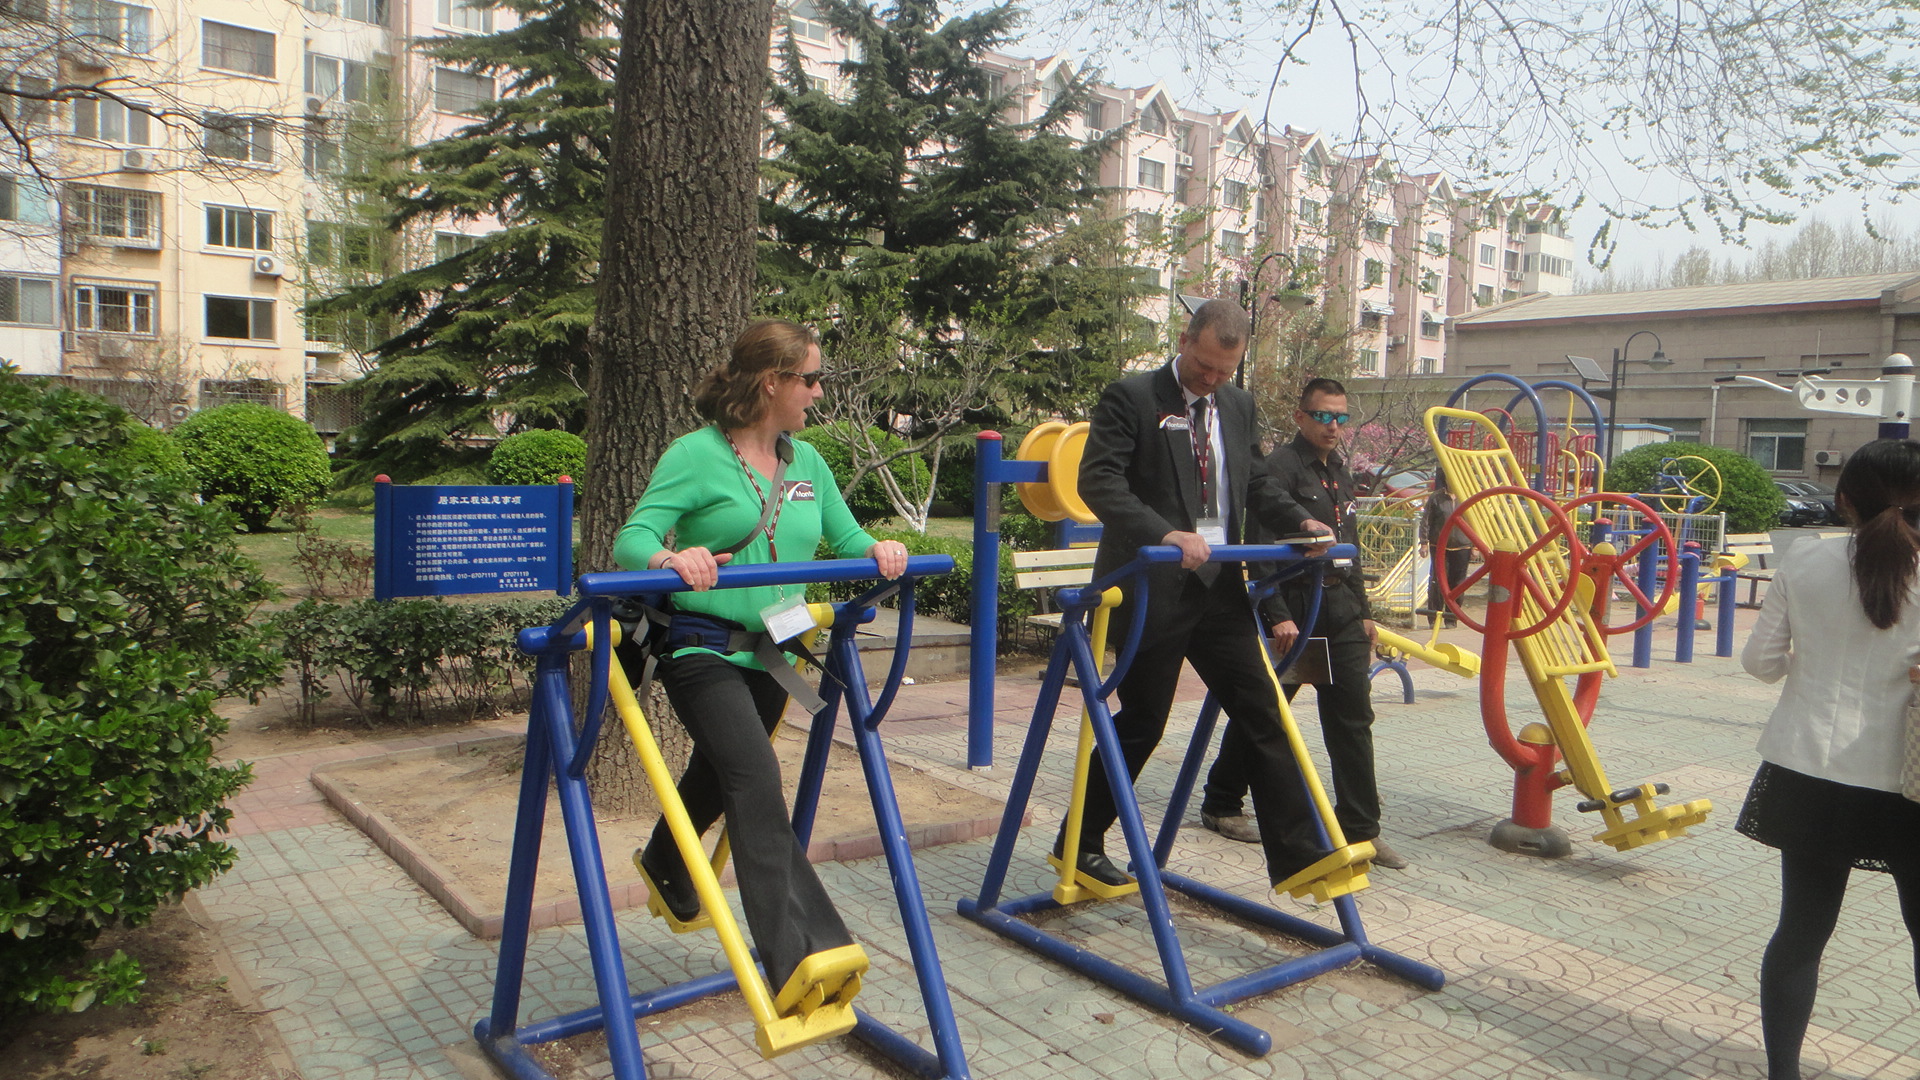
1403 484
1801 508
1820 493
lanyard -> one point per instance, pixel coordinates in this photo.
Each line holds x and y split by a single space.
773 549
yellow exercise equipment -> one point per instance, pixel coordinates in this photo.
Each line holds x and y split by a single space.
1061 446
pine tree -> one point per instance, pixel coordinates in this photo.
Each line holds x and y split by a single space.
495 335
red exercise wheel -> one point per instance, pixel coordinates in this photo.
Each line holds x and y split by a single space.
1559 529
1658 534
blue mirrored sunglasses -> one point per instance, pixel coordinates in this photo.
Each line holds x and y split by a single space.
1325 417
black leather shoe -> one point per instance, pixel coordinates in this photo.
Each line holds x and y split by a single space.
682 902
1097 866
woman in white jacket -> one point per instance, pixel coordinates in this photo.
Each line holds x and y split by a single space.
1842 624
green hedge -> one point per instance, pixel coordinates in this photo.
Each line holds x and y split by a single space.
406 661
542 456
124 615
948 596
869 502
254 459
1747 495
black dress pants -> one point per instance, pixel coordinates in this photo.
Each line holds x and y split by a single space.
1214 629
730 711
1346 726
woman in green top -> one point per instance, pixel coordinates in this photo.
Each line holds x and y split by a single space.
709 490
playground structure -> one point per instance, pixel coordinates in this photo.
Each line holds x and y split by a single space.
1080 647
1549 599
817 1003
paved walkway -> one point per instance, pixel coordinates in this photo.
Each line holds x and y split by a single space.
1635 965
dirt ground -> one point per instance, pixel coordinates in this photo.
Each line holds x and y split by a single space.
460 810
190 1024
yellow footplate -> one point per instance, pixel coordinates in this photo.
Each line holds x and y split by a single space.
1343 872
657 906
817 1002
1085 887
1655 824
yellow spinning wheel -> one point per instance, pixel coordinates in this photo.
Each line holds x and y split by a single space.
1061 446
1039 498
1681 480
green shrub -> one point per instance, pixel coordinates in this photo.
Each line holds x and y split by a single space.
541 456
954 485
947 596
154 450
1747 494
405 661
869 503
124 614
1024 532
254 459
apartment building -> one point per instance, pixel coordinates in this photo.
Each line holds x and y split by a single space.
157 243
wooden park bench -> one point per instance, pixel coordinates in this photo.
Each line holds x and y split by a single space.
1757 547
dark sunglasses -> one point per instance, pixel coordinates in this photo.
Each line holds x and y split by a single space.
1326 417
811 378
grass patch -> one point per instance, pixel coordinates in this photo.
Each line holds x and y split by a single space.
273 550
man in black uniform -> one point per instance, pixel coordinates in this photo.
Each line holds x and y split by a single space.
1313 472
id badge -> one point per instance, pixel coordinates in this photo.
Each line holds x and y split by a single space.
787 618
1213 531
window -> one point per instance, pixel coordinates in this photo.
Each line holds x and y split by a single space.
1429 282
237 138
1153 174
123 26
1313 170
1377 188
111 121
1508 294
1152 120
1437 243
129 218
1369 362
238 227
1310 211
320 146
460 92
1487 255
113 308
1233 193
239 317
1548 264
996 84
1483 296
1376 230
1233 243
366 11
819 84
1372 320
1376 271
1148 228
1304 256
1778 445
1429 365
26 301
1235 145
347 80
26 111
1512 262
230 391
1429 326
1052 90
24 202
1685 429
343 247
460 15
808 29
235 48
448 244
1097 116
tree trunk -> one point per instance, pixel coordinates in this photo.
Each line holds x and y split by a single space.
677 270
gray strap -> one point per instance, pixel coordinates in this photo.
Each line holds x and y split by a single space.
775 661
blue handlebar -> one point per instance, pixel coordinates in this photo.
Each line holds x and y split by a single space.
634 582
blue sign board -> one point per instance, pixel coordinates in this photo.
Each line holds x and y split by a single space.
438 540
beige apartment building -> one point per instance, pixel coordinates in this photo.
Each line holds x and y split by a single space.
1771 331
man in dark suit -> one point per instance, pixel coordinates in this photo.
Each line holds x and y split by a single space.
1172 458
1312 471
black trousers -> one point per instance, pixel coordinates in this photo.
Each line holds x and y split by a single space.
1346 725
1214 629
1457 562
730 711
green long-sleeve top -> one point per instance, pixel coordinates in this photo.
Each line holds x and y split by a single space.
700 492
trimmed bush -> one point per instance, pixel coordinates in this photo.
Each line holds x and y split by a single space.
154 450
1747 495
124 611
541 456
869 503
254 459
949 596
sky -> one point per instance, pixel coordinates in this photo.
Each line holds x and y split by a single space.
1323 96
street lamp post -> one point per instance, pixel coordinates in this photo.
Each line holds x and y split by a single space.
1713 409
1291 299
1618 378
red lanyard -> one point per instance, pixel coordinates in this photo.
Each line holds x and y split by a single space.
773 549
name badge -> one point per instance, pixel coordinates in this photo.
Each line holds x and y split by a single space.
799 491
1213 531
1175 423
787 618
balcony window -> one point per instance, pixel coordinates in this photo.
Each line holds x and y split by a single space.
236 48
1234 194
1483 296
124 26
335 79
1153 174
446 245
238 227
237 138
111 121
1429 326
1233 244
366 11
26 301
1778 445
1376 271
341 246
1310 211
463 16
113 308
130 218
1376 230
239 317
1369 361
460 92
214 392
1152 120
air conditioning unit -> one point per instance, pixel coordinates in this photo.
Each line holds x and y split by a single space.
1515 275
178 412
266 266
1397 341
315 105
111 347
1829 459
138 161
1183 161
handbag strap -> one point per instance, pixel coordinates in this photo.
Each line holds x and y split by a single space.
782 453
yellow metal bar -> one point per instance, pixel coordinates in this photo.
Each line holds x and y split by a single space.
1075 886
1441 654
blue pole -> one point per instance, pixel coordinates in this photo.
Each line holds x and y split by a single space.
981 648
1643 638
1689 603
1723 633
